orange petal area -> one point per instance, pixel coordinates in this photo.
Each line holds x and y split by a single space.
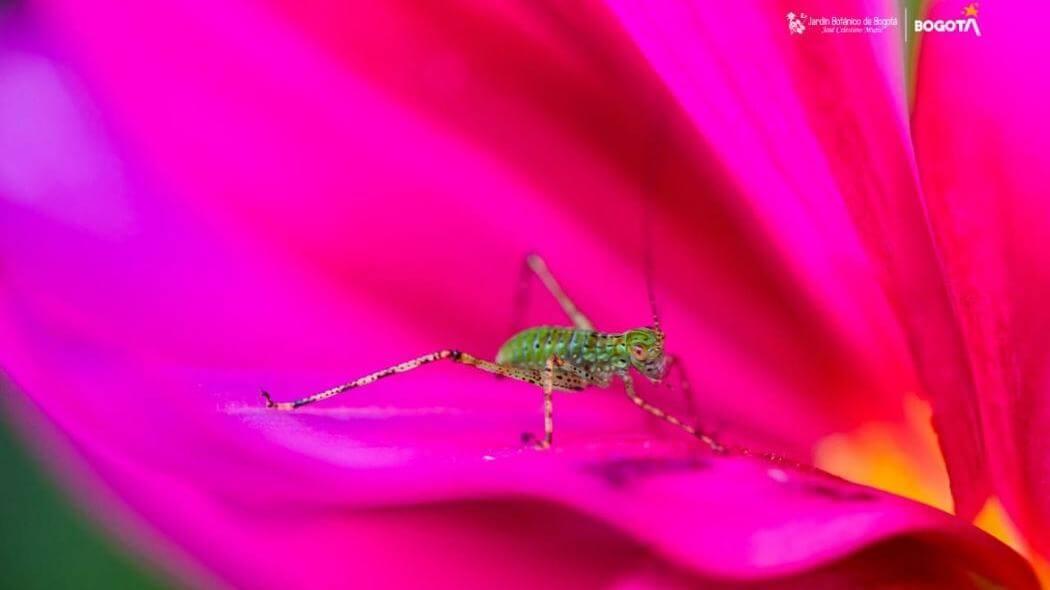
903 458
993 518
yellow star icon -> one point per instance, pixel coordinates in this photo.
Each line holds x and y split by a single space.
970 10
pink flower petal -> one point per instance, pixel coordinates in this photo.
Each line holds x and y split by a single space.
384 497
145 345
814 130
981 129
306 139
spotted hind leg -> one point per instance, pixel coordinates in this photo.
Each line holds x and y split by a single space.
553 377
526 375
535 265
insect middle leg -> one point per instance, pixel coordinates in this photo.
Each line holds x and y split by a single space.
537 266
557 374
628 385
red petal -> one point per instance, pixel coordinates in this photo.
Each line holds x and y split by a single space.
814 129
981 129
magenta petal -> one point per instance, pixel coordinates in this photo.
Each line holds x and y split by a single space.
146 349
491 132
982 128
254 495
814 130
145 343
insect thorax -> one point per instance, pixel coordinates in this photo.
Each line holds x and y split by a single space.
599 353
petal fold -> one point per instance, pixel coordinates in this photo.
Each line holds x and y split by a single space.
981 135
814 130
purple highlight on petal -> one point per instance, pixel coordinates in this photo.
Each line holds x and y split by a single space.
55 153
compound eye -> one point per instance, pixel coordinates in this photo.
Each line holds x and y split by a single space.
638 352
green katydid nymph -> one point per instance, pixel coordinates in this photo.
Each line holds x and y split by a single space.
557 359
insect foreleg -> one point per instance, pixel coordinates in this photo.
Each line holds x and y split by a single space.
628 385
536 264
526 375
674 364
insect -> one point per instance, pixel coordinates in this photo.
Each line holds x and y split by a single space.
557 359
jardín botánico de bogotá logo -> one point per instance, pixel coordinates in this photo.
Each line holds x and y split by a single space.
799 22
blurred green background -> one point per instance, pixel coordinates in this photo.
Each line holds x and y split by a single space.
46 541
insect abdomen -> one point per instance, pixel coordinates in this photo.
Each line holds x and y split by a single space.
532 347
586 349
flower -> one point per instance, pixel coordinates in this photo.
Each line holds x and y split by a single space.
202 201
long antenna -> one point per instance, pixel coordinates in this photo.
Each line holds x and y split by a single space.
657 152
647 242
